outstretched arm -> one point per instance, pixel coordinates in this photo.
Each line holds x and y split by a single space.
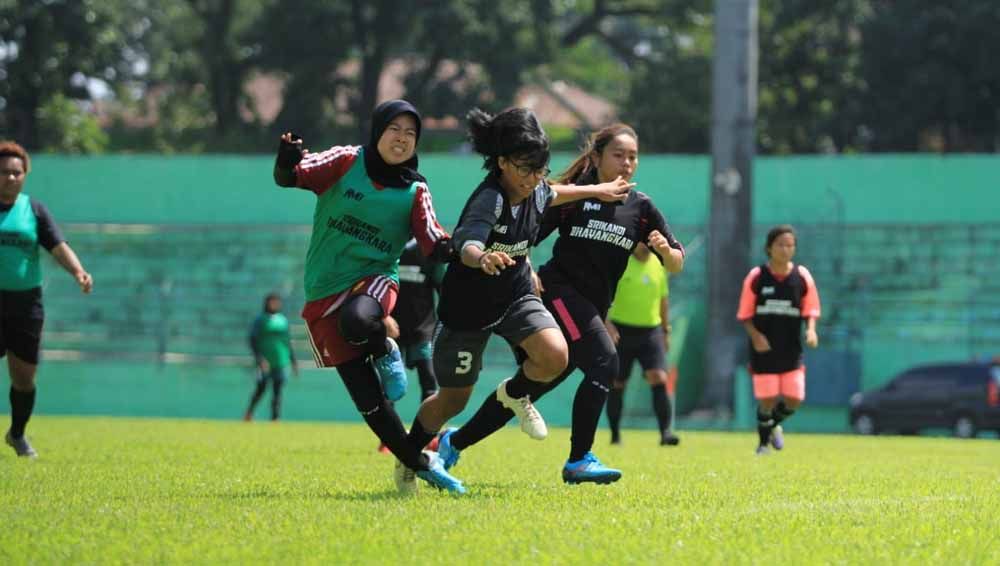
615 191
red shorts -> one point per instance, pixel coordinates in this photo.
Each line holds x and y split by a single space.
790 384
323 317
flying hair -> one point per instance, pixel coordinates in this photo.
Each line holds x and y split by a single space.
514 134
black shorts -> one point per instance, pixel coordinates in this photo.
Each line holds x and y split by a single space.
458 354
21 319
640 343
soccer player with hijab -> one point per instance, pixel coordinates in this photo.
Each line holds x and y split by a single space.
370 201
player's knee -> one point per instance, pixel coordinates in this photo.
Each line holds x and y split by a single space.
767 403
360 318
603 371
23 381
792 403
656 377
552 361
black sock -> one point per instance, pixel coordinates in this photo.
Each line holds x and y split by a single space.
21 405
366 392
615 402
764 425
491 417
276 400
661 406
520 385
587 406
781 412
258 392
428 382
418 436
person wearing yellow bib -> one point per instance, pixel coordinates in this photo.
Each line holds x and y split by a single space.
639 324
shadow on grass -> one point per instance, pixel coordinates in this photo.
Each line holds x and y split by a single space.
353 496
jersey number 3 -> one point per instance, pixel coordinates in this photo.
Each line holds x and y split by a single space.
464 362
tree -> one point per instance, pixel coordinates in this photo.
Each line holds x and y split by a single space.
932 75
56 48
811 85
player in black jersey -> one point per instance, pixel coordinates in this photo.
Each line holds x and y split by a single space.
490 289
776 298
25 226
578 285
413 320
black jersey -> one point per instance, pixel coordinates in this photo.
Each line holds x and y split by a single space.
419 277
779 306
471 299
595 241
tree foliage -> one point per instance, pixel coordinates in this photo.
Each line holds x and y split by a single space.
852 75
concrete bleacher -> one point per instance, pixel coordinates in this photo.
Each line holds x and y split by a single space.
192 290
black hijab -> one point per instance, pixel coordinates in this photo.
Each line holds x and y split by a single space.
404 174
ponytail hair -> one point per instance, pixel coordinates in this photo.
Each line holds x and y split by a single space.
583 166
514 133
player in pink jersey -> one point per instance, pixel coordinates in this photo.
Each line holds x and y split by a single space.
777 296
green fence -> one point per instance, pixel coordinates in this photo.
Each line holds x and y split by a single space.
183 249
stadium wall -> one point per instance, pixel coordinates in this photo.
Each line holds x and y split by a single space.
196 207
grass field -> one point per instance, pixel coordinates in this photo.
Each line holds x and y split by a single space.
136 491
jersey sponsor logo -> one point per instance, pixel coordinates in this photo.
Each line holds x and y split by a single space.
601 231
588 206
500 228
778 307
354 195
360 231
513 250
14 239
411 274
767 290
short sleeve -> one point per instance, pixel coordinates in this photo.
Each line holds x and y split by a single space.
481 214
654 220
748 297
810 300
320 171
49 235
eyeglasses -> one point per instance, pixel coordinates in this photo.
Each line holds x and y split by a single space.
526 170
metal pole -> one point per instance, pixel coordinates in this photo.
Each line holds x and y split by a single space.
734 110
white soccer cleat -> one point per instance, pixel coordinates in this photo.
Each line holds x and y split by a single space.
531 420
405 478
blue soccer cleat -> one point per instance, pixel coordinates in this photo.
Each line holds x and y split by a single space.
448 453
438 477
391 371
589 469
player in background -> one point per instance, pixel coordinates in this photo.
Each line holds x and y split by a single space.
577 286
777 297
639 325
271 345
370 201
491 289
25 225
419 279
412 322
